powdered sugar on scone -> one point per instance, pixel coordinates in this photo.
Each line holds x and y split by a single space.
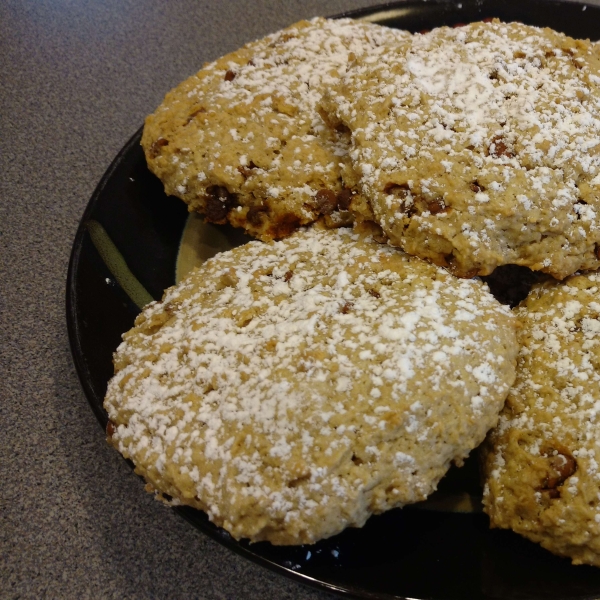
293 389
480 146
242 141
542 461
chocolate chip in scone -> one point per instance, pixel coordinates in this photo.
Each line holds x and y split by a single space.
326 201
345 309
194 114
561 465
218 203
256 214
155 149
284 226
246 170
436 206
344 198
499 147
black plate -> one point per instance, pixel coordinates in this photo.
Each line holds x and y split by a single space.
124 254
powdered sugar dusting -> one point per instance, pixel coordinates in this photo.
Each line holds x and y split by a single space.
249 123
544 454
566 332
472 125
270 386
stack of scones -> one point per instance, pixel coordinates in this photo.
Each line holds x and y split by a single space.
337 366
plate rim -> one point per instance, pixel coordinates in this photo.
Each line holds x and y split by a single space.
73 326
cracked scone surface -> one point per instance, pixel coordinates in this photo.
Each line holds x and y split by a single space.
479 146
541 462
292 389
242 141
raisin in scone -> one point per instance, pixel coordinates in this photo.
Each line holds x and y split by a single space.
542 461
242 141
293 389
479 146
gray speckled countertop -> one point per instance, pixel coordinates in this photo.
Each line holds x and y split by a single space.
77 78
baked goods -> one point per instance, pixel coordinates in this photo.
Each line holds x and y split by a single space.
541 462
242 141
292 389
479 146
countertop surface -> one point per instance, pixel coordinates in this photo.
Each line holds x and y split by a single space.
77 78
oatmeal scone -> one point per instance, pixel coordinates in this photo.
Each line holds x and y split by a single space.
479 146
293 389
541 463
243 142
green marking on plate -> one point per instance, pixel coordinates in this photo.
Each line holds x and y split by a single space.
395 13
116 264
201 241
460 502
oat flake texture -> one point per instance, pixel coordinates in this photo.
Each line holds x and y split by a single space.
542 461
292 389
242 141
479 146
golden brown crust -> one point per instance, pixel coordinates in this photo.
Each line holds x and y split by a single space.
293 389
542 461
478 146
243 142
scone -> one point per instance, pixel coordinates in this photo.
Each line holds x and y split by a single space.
294 388
242 141
479 146
541 462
